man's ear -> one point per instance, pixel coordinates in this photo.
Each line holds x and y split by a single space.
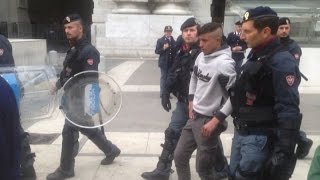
266 31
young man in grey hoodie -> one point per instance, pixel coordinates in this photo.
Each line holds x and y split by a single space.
214 73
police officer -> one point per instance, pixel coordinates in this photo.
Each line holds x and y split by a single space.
237 45
283 32
6 58
304 143
80 57
166 49
9 133
178 84
265 101
27 158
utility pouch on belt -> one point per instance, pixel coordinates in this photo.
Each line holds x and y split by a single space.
255 116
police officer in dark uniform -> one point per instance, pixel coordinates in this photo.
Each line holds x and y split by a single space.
265 102
304 143
9 133
6 58
80 57
27 158
178 84
166 49
237 46
283 33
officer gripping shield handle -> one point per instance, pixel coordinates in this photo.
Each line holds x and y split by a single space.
77 85
30 86
82 103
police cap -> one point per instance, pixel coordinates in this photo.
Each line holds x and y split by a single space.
71 18
284 21
259 12
167 29
238 23
189 23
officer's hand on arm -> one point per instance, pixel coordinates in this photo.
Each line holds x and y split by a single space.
210 127
165 101
190 108
237 48
53 89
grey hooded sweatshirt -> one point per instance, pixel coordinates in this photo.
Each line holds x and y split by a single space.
212 77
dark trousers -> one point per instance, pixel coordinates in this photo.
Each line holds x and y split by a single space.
26 157
163 78
70 144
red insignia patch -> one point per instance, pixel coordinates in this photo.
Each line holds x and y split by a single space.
290 80
90 61
1 52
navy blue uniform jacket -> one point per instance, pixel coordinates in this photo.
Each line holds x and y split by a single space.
9 133
166 56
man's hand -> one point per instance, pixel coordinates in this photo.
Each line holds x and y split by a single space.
237 49
53 89
190 108
165 101
210 127
165 46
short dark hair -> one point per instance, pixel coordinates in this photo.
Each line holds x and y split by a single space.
267 21
209 27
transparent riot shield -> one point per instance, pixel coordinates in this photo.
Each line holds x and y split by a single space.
90 99
31 86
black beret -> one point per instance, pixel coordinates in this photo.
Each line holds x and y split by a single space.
284 21
259 12
237 23
71 18
189 23
167 28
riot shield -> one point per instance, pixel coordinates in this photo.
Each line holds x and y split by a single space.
31 86
90 99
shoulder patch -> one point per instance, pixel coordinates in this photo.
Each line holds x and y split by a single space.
1 52
290 79
90 61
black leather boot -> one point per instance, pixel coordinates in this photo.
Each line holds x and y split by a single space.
163 169
60 175
115 152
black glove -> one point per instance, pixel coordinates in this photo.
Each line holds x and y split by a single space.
165 101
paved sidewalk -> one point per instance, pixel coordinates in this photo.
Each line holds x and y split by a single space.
140 151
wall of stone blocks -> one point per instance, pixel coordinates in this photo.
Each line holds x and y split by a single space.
27 52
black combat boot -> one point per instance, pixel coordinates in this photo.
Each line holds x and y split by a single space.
303 148
60 175
163 169
115 152
27 173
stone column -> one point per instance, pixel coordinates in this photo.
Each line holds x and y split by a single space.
131 7
172 7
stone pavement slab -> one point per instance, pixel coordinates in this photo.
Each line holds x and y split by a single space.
140 153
